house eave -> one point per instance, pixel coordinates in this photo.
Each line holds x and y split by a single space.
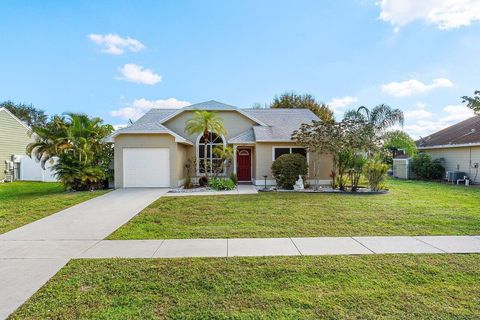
178 138
443 146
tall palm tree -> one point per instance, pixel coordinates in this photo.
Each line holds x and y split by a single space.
205 122
380 117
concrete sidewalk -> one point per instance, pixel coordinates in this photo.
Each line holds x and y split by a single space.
242 247
32 254
25 265
181 248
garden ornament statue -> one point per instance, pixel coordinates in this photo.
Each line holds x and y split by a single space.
299 184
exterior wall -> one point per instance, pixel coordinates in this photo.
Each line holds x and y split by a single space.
264 161
14 138
459 159
183 152
146 141
234 122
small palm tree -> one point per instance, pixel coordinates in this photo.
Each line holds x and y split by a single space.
380 117
205 122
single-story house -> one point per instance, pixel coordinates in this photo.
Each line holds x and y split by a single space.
154 151
15 136
458 145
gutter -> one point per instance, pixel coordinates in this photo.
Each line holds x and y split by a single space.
443 146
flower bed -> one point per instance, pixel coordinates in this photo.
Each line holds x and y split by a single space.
326 189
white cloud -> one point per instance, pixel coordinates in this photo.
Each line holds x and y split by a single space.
456 113
138 74
419 113
114 44
451 114
413 86
444 14
337 104
140 106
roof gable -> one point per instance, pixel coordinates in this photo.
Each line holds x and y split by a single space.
15 117
211 105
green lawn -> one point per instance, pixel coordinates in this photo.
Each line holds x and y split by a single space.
24 202
328 287
411 208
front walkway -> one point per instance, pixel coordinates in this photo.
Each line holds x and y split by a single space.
32 254
240 189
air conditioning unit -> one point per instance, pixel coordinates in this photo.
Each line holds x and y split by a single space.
17 158
453 176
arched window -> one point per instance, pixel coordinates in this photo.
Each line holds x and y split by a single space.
213 140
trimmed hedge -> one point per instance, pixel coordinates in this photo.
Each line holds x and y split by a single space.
287 168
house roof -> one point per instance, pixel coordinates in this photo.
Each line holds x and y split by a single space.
272 125
463 133
247 136
280 123
148 124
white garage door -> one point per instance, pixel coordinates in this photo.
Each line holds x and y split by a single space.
146 167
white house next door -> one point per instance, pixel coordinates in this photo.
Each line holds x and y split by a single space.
146 167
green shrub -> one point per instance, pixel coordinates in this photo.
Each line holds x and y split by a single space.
375 172
426 168
222 184
287 168
234 178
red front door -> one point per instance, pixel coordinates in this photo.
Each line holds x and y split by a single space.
244 164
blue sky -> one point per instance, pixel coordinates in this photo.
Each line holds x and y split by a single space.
116 59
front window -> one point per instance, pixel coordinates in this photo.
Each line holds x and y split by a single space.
213 140
287 150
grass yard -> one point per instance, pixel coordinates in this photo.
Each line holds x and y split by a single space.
328 287
25 202
411 208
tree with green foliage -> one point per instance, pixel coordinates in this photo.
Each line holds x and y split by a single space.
205 123
381 117
343 140
26 113
473 102
78 141
291 100
396 140
427 168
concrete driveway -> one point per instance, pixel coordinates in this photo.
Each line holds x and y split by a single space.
32 254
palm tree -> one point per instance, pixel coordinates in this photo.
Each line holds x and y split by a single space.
380 117
78 142
205 122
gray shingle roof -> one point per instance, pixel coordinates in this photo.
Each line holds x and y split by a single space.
246 136
210 105
273 124
280 122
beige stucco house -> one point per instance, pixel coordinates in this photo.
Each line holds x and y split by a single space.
154 151
458 146
14 138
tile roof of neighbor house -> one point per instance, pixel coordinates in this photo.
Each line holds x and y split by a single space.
273 124
463 133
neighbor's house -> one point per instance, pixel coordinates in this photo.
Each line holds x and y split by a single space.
14 163
458 145
154 150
